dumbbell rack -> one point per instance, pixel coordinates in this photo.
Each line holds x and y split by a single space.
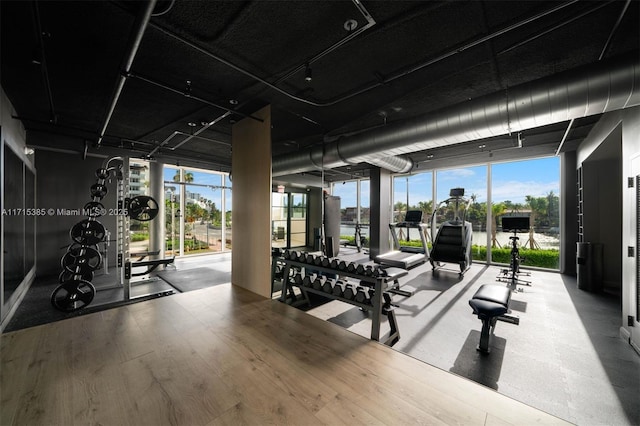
379 285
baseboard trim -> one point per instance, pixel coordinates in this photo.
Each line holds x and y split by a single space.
626 335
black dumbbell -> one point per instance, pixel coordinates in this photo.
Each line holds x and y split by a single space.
360 269
326 262
308 280
318 260
318 282
338 288
328 285
310 259
342 265
351 267
294 255
349 292
334 263
297 279
363 295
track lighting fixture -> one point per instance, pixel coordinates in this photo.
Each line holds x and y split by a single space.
307 73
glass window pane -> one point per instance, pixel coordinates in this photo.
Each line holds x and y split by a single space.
279 208
348 193
172 211
139 185
412 192
203 217
528 188
228 200
474 182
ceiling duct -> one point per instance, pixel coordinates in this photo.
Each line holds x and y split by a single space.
594 89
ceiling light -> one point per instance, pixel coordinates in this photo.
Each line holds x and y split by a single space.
233 101
350 24
192 124
307 73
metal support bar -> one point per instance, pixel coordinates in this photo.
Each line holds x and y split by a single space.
141 24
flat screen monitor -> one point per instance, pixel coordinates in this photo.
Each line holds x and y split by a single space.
456 192
510 223
413 216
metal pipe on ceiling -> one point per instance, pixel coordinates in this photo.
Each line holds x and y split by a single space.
43 63
140 26
188 94
593 89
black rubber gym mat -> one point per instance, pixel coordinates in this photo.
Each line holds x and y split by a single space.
195 279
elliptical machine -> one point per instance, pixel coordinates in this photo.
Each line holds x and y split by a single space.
453 242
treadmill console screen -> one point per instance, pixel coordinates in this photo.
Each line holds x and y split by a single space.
515 223
456 192
413 216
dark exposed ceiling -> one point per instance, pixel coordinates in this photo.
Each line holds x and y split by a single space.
200 66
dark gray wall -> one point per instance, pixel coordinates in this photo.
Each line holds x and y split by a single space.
63 182
569 222
315 214
380 198
603 216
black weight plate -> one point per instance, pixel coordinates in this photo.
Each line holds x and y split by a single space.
73 295
88 232
81 260
98 190
66 276
102 173
143 208
94 209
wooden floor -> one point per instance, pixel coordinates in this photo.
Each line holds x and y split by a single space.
223 355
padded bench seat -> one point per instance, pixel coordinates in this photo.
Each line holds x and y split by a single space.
489 303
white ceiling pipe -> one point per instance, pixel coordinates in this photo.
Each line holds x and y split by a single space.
593 89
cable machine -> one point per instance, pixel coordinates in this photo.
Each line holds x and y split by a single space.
83 256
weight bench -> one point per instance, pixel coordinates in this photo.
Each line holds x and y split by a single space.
151 265
491 303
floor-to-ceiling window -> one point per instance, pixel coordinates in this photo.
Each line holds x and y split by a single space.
530 189
228 198
412 192
354 208
138 186
197 211
288 219
473 207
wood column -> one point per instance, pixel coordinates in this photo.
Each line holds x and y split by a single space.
251 205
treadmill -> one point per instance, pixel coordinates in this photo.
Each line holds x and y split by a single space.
406 257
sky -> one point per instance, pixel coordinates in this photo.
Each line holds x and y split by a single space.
511 181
